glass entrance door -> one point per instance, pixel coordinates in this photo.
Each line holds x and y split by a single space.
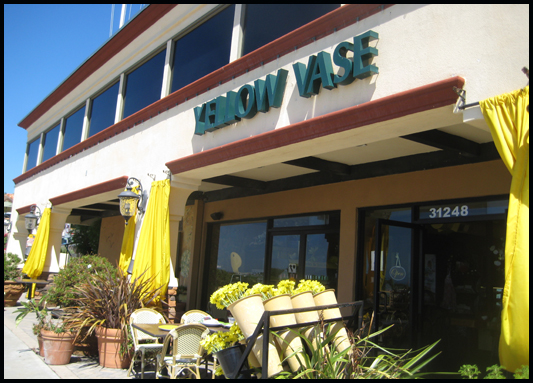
394 262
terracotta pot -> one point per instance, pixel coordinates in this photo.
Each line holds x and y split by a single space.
58 348
41 347
12 292
109 341
247 313
327 297
289 341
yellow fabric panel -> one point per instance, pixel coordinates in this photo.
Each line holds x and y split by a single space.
126 250
153 249
35 263
508 120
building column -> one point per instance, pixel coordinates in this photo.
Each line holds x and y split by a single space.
54 260
180 189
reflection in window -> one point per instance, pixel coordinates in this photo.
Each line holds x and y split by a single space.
143 85
267 22
237 253
310 220
285 252
73 129
322 259
103 110
193 59
33 151
50 142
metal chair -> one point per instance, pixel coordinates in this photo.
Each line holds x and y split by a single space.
144 315
187 353
194 316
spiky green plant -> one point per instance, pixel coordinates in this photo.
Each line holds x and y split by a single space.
323 361
108 300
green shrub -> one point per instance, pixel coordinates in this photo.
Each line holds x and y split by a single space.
75 272
11 271
471 371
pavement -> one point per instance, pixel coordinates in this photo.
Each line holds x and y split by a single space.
22 361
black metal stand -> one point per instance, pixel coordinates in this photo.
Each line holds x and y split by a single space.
264 326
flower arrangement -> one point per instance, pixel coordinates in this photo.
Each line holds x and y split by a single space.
228 294
219 341
266 291
286 287
308 285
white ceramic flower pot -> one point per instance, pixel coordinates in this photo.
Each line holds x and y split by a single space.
289 341
327 297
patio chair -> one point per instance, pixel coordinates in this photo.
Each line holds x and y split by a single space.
194 316
144 315
187 353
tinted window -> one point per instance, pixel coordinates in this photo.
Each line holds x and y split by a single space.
203 50
103 110
73 128
33 150
143 85
50 143
266 22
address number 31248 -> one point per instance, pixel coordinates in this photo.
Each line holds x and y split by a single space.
448 211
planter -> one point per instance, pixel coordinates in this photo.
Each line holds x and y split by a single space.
327 297
41 347
109 342
289 342
304 300
58 348
229 359
12 292
247 312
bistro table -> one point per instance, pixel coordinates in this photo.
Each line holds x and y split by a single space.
153 329
31 290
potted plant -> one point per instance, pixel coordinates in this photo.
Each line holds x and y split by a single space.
58 341
62 292
40 311
225 347
105 303
12 289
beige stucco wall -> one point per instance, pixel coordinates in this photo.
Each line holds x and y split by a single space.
475 180
111 233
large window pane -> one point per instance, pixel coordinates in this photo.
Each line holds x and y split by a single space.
267 22
285 252
50 143
322 258
195 56
143 85
73 128
33 150
103 110
237 252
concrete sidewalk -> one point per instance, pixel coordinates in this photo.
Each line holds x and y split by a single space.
22 362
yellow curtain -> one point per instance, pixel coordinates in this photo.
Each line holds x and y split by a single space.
35 263
153 249
508 120
126 251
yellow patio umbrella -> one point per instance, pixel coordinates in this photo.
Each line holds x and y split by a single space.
35 263
153 250
126 251
508 118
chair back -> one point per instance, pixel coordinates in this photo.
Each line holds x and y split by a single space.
144 315
186 341
194 316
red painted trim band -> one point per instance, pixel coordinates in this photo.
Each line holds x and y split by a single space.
416 100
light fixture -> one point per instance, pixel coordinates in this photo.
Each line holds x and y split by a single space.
217 216
31 219
130 201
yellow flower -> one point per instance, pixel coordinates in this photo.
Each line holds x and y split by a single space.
307 285
228 294
285 287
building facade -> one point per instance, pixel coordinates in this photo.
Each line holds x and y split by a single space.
301 141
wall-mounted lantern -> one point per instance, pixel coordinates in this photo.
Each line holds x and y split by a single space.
31 220
130 202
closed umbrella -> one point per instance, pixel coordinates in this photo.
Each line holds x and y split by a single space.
153 250
508 118
35 263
